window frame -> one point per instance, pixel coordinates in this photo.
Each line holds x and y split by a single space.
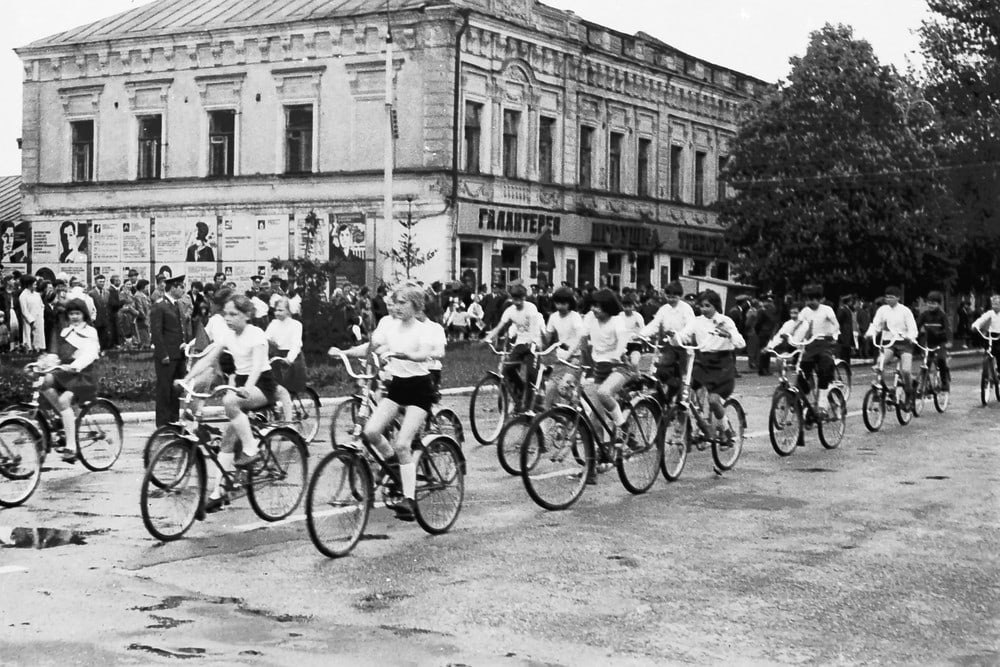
615 154
700 160
509 153
233 144
552 123
141 149
643 159
91 153
676 172
585 178
473 148
287 128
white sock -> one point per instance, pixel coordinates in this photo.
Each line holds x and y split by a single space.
408 476
823 394
69 427
617 416
226 462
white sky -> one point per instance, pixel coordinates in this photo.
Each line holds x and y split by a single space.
752 36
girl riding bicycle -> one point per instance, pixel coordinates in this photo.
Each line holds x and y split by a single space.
717 338
406 344
248 346
76 348
284 334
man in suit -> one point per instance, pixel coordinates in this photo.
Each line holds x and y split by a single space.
103 320
167 334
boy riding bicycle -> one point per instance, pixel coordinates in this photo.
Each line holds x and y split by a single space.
817 322
896 320
932 326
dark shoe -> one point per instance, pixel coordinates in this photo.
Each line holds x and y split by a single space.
68 455
405 509
592 476
244 461
216 504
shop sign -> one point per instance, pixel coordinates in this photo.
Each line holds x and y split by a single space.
517 222
624 236
701 244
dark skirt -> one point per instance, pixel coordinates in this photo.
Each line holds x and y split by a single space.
716 371
265 383
81 384
291 377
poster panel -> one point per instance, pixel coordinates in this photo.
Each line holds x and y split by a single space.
240 272
106 241
14 242
319 249
45 242
272 239
135 242
74 271
10 268
238 238
347 237
141 269
170 240
203 271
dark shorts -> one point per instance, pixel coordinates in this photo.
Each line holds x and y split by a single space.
81 384
634 346
291 377
226 364
604 369
417 391
716 371
265 383
902 347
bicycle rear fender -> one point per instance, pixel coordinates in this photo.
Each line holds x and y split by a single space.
458 448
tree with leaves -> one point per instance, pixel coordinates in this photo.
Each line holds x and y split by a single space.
407 255
834 181
961 46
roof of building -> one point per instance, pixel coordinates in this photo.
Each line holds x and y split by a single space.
173 16
10 198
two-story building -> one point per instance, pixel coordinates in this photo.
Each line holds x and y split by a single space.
200 136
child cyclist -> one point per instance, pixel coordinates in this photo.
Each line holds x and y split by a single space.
932 326
406 343
566 326
633 323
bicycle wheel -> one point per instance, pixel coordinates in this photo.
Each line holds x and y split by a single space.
842 375
488 409
305 413
20 460
278 480
904 412
984 383
557 456
675 434
338 502
784 423
873 409
941 396
509 442
161 436
440 485
995 381
639 463
726 452
831 429
920 393
99 434
173 490
450 425
345 416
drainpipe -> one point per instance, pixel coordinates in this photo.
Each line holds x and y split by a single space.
455 139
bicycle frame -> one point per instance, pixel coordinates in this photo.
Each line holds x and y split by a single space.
879 370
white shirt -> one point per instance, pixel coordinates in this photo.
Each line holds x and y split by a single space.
414 338
608 340
670 318
819 323
84 338
216 328
633 324
567 329
896 320
295 305
259 307
704 332
244 347
787 330
286 334
991 317
526 324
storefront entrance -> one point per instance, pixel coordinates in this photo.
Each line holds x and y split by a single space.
586 259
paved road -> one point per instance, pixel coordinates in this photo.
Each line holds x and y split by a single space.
884 550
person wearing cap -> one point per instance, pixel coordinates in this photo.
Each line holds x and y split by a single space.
525 326
77 348
896 321
566 326
818 326
767 319
672 317
608 340
932 327
167 332
716 337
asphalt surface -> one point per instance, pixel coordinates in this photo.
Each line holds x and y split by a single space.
881 551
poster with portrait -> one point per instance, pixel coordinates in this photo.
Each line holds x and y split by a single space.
106 241
170 240
168 269
14 242
347 248
73 242
317 247
200 243
239 235
135 241
45 242
272 239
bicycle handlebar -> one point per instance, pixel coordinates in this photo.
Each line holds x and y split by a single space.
928 350
279 360
895 338
350 369
186 349
221 389
989 335
37 368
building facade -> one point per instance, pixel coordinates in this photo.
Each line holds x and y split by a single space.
202 136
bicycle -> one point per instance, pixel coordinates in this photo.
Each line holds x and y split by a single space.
490 404
172 494
368 392
929 382
558 452
343 488
989 377
305 408
512 432
879 396
677 433
843 377
99 426
793 411
20 459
